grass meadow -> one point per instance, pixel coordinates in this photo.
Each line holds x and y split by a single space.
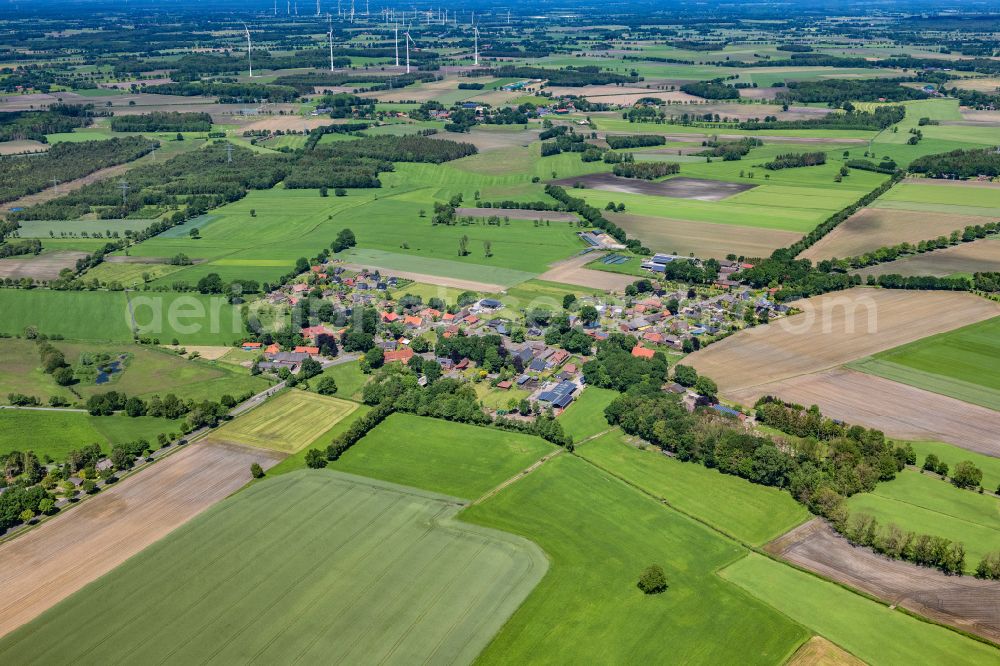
867 629
928 505
288 422
585 416
349 379
963 364
600 534
751 513
315 566
440 456
56 433
952 455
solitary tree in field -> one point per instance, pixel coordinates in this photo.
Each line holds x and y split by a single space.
463 246
653 580
256 471
488 248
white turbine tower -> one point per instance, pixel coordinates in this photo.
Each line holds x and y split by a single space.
475 31
408 40
318 12
395 36
249 46
329 24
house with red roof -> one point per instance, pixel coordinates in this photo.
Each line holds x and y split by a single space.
642 352
389 317
412 322
401 355
272 348
305 349
252 346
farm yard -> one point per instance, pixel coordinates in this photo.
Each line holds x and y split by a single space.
287 423
55 560
393 578
963 602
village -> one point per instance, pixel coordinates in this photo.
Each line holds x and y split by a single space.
537 368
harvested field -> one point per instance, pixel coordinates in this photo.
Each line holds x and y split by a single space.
872 228
287 423
610 94
980 116
572 271
679 188
207 352
832 330
960 601
39 267
22 146
818 651
760 93
981 255
285 123
900 411
518 214
486 140
941 182
58 558
988 85
704 239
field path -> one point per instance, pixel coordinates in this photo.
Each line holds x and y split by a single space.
62 555
520 475
572 271
50 193
456 283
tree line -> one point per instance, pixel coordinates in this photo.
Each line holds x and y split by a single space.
163 121
959 163
793 160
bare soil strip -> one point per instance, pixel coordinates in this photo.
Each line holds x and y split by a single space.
834 329
571 271
470 285
872 228
979 255
61 556
518 214
952 183
817 651
39 267
960 601
898 410
679 188
704 239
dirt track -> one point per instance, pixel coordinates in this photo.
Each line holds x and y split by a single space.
834 329
572 271
964 602
471 285
898 410
58 558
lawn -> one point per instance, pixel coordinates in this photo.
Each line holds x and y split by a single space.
865 628
313 566
599 535
928 505
585 415
963 363
190 318
752 513
56 433
286 423
441 456
349 379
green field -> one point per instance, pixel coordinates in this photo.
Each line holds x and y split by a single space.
315 566
752 513
286 423
599 535
585 416
928 505
952 455
865 628
56 433
963 363
349 379
451 458
935 197
191 318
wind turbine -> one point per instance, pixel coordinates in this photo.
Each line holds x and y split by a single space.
249 46
318 12
395 35
329 25
475 31
408 40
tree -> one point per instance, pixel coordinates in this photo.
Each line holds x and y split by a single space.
375 357
589 314
685 375
463 246
63 376
310 368
256 471
568 301
194 233
967 475
488 248
344 240
707 388
315 459
931 463
653 580
27 515
210 284
327 386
